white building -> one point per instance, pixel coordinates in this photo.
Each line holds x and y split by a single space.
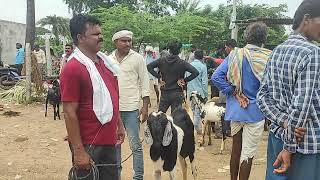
10 34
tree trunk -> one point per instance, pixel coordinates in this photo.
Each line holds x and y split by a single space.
28 71
31 27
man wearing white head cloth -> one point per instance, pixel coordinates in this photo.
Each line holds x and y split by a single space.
133 84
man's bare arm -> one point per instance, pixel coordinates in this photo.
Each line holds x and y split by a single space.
72 124
81 157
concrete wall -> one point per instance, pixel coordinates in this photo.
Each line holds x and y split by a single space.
10 34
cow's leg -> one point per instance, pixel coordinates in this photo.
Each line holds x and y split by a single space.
54 112
193 167
222 145
224 134
209 133
172 174
58 110
183 165
157 167
204 129
47 100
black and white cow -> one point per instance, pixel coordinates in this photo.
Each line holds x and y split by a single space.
171 138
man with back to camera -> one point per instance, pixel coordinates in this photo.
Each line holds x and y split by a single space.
289 97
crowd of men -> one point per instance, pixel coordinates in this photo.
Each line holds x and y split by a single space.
101 95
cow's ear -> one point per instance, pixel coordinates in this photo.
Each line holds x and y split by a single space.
147 135
167 136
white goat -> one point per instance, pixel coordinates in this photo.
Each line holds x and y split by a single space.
210 112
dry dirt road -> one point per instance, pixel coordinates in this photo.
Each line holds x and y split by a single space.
32 148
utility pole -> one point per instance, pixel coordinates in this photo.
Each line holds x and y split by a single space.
30 37
233 26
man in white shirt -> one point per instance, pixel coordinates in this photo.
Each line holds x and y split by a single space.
68 51
41 58
191 55
133 84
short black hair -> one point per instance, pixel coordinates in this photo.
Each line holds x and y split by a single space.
231 43
256 33
220 53
310 7
198 54
70 45
78 25
36 46
19 44
174 47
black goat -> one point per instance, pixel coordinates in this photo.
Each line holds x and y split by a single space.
54 98
170 138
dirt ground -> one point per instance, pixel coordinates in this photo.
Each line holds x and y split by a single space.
32 148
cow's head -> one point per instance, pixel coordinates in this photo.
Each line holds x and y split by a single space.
55 83
158 130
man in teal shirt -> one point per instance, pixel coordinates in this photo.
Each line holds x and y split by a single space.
199 84
19 58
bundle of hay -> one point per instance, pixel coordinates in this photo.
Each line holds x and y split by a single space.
18 93
36 75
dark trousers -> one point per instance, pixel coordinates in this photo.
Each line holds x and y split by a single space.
275 146
19 68
214 90
303 166
101 154
171 99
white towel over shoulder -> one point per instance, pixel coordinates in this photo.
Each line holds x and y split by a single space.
102 103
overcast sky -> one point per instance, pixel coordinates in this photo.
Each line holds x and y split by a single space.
15 10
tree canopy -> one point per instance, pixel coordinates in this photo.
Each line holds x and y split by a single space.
205 27
158 7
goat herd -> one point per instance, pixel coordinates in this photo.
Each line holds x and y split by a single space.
169 137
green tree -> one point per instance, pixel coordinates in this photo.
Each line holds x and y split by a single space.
276 33
189 6
41 31
119 17
81 6
206 28
58 25
160 7
149 28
